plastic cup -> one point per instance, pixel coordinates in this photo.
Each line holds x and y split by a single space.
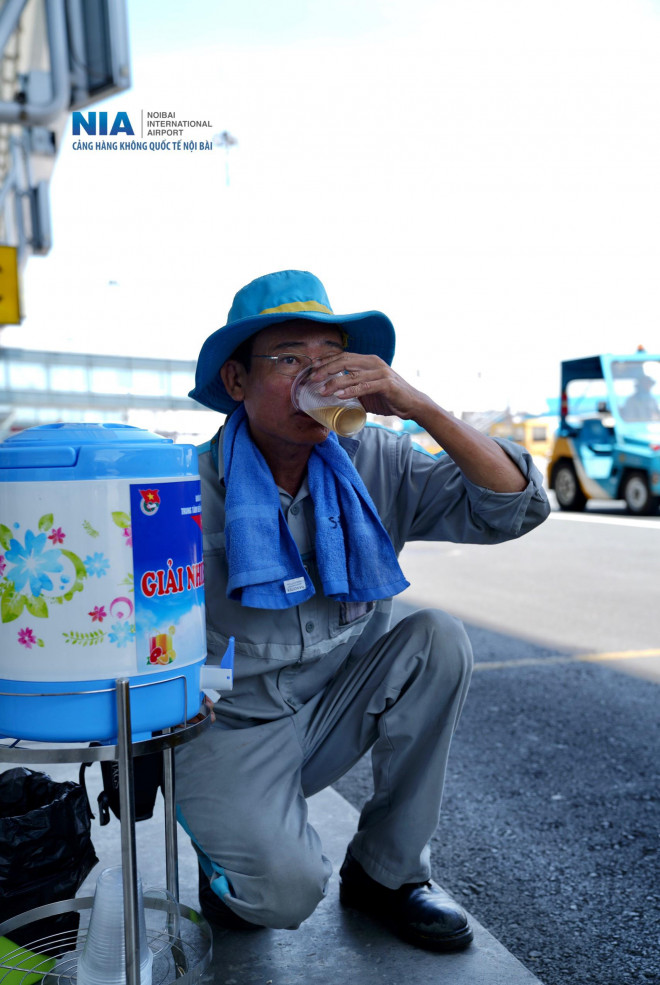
103 958
346 416
162 919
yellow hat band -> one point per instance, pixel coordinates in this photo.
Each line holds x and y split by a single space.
297 306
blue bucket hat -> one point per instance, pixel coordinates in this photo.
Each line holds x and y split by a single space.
281 297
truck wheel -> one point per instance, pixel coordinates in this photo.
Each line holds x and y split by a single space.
567 488
638 496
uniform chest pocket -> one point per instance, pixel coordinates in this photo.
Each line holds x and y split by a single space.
352 611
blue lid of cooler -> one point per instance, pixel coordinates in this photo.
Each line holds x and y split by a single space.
58 452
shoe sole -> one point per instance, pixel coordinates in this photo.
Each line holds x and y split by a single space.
457 942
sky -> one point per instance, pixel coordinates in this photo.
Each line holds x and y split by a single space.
486 173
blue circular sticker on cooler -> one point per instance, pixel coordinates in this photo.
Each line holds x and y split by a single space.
101 578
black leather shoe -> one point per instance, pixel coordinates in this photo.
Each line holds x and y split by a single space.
216 912
417 912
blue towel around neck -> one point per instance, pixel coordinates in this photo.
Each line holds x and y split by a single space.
354 554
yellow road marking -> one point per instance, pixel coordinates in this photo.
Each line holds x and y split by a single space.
575 658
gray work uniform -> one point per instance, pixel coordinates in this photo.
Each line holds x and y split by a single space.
319 684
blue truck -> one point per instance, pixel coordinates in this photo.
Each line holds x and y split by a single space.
608 442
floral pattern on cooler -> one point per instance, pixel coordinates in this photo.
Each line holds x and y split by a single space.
121 633
27 639
97 565
31 563
37 572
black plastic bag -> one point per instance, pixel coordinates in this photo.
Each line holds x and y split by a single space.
46 850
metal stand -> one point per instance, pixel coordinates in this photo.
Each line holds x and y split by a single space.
124 753
127 811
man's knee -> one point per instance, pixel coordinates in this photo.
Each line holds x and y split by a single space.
296 887
445 641
284 893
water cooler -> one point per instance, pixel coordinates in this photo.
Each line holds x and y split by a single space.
101 577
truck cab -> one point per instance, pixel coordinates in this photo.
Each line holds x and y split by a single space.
608 442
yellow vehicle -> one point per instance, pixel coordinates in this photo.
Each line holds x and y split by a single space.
536 434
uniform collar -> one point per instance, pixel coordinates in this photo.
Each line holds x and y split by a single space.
350 446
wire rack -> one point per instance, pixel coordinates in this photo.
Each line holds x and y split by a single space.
179 938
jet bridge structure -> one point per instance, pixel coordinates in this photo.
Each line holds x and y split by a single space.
39 387
55 56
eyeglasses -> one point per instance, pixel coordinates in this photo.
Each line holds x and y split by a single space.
288 363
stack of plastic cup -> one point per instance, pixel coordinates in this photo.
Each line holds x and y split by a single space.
103 959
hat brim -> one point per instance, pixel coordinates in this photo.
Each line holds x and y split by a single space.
371 333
